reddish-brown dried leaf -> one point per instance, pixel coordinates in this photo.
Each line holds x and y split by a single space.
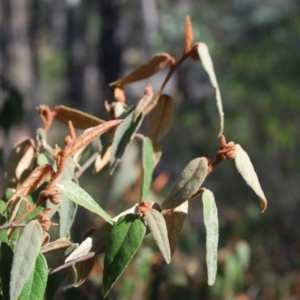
59 244
79 119
189 36
155 64
160 119
84 269
34 181
89 136
18 161
174 219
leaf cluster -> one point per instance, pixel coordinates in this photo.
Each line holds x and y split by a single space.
41 181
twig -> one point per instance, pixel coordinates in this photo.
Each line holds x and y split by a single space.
86 165
11 225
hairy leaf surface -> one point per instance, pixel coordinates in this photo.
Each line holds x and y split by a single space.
34 287
155 64
211 221
158 227
246 169
79 119
26 252
209 68
187 184
125 239
75 193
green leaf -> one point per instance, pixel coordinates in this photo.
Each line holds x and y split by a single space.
157 224
3 235
209 68
187 184
5 263
27 250
125 239
34 287
245 168
147 167
67 212
75 193
211 222
123 136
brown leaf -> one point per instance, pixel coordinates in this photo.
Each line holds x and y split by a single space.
155 64
174 219
245 168
59 244
87 137
18 161
34 181
143 102
189 36
84 269
160 119
101 162
79 119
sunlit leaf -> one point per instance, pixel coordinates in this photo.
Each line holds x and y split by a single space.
123 136
79 119
245 168
6 258
125 239
34 287
155 64
209 68
143 102
147 167
26 252
88 136
174 220
102 161
20 159
189 36
211 221
75 193
157 224
61 243
187 184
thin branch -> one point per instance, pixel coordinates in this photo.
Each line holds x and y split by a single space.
86 165
11 225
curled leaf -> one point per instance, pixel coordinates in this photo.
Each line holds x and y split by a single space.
155 64
79 119
144 101
19 160
84 269
245 168
211 222
59 244
157 224
87 137
209 68
187 184
102 161
174 219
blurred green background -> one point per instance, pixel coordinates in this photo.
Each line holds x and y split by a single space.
66 52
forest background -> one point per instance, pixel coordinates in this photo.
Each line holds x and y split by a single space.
67 52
